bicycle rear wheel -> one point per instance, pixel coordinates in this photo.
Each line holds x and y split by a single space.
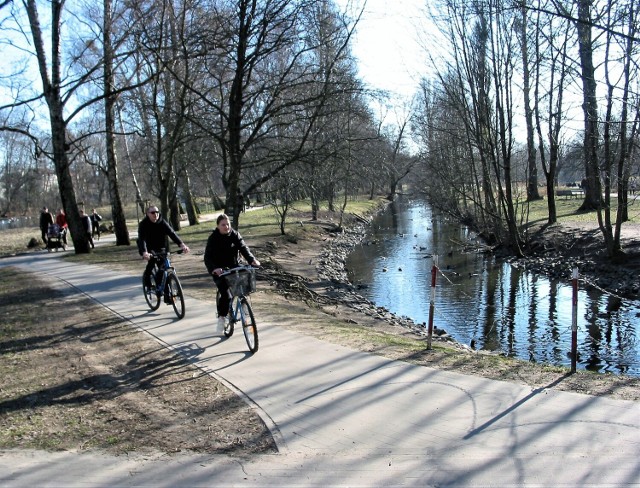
150 295
174 294
249 325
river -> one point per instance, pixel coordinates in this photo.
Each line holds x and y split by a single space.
484 301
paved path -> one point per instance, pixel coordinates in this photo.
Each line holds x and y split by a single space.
345 418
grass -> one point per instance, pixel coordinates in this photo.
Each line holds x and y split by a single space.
263 223
259 224
567 212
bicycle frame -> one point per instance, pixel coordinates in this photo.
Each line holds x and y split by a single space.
234 308
164 265
169 285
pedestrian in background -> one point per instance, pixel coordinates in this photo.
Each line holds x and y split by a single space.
95 223
46 219
87 226
61 220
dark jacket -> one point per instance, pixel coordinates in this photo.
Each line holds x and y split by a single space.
222 250
86 223
46 219
153 236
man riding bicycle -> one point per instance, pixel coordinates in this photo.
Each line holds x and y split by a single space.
223 246
153 234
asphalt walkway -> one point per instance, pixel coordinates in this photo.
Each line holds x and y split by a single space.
346 418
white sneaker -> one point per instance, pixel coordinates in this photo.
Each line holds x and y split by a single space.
221 323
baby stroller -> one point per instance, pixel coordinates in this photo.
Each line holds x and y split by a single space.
56 238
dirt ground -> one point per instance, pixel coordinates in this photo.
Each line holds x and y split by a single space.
75 377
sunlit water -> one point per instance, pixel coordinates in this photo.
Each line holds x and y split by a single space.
484 300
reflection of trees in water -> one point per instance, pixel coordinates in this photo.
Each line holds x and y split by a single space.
593 338
610 339
509 314
554 331
533 317
498 306
490 335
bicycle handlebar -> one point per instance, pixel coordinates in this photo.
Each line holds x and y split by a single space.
237 269
164 253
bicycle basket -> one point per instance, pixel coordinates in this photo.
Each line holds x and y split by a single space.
241 282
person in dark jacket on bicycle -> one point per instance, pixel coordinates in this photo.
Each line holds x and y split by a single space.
223 249
153 234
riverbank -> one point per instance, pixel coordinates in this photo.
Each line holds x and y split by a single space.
305 281
45 370
557 249
320 260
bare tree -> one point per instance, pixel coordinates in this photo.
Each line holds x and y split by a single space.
400 163
110 100
52 83
162 101
18 175
532 176
593 188
619 128
551 71
479 80
271 87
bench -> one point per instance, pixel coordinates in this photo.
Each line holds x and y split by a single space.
570 193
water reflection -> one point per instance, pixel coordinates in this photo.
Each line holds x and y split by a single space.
479 298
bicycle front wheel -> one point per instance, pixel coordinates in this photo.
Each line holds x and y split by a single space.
150 295
249 325
174 295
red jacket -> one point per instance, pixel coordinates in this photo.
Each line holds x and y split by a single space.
61 220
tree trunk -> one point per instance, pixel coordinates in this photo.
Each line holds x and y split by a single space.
117 210
192 213
532 168
593 191
134 180
52 95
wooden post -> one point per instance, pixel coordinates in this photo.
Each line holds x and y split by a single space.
434 272
574 321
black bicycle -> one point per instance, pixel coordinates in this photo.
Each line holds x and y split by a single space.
164 282
241 282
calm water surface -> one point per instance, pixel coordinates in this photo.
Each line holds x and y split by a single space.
485 300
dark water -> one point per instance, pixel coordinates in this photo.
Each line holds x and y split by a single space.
485 300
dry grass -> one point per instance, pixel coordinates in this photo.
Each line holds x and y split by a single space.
77 377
